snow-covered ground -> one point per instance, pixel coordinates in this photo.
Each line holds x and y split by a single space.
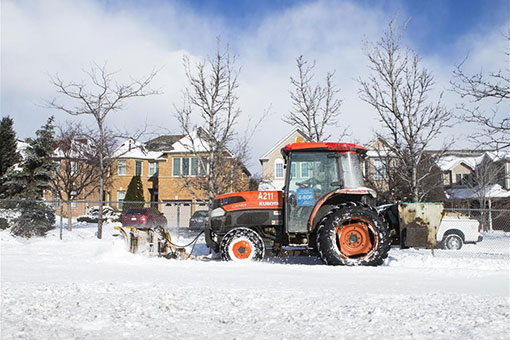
84 288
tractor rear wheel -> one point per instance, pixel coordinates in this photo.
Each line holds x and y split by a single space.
242 244
353 234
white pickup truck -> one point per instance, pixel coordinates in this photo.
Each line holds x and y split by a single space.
454 231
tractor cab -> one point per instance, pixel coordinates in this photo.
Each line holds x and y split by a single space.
315 173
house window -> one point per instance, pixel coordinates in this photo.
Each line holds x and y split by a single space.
278 169
153 168
194 166
138 168
188 166
121 167
185 166
203 166
120 197
176 166
293 170
380 171
304 170
461 179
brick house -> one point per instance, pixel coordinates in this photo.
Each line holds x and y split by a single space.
162 164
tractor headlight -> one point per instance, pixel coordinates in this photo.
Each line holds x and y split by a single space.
217 212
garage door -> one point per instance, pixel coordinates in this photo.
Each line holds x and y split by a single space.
201 206
177 213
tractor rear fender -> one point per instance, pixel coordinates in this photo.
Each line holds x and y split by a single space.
334 198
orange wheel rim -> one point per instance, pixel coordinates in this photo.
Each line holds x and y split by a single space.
241 249
354 238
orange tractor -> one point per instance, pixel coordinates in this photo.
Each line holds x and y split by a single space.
322 210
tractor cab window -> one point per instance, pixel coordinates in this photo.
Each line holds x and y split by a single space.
311 176
350 170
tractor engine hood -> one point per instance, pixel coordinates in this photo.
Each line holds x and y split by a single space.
249 200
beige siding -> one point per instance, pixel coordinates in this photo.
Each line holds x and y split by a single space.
462 170
268 165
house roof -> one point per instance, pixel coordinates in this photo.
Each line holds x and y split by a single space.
134 149
279 145
155 148
163 143
75 148
449 162
493 191
497 156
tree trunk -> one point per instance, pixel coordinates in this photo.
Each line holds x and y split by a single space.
414 184
61 218
69 217
490 216
101 183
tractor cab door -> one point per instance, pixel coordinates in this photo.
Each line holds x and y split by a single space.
310 175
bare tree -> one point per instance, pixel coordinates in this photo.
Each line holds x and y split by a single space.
399 89
486 173
493 88
384 176
314 107
78 172
208 118
102 96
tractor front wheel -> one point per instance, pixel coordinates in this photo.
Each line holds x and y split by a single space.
353 234
241 244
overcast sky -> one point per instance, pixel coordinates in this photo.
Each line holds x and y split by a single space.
48 37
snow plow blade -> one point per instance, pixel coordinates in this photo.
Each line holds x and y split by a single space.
414 224
151 241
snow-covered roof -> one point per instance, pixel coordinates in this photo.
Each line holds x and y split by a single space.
449 162
163 143
75 148
134 149
489 191
497 156
156 148
187 144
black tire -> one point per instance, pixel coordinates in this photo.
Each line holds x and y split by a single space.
452 241
364 233
242 244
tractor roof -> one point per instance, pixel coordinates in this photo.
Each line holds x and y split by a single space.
338 147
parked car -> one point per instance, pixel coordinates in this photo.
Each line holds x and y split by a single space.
92 215
453 232
199 219
144 218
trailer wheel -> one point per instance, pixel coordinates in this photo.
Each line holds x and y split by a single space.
353 234
241 244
